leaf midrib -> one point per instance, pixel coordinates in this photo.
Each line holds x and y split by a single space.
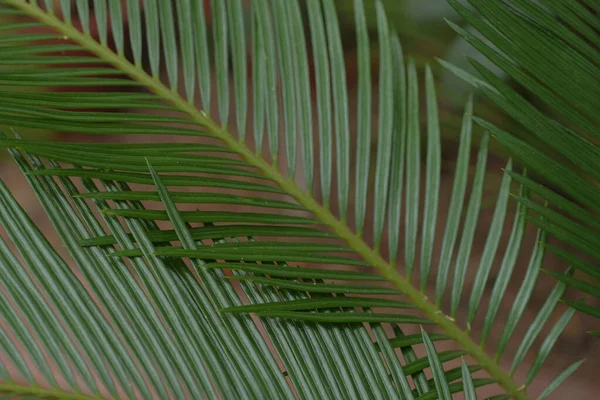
355 242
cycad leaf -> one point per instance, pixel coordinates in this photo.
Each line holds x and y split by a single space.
433 179
550 50
163 321
559 379
363 146
468 382
456 202
442 388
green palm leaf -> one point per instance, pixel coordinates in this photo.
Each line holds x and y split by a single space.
154 315
558 60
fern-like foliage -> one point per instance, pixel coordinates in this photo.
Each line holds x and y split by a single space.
150 310
560 65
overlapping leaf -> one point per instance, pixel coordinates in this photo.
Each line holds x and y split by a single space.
170 321
551 50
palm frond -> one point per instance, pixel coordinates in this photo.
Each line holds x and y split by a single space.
551 50
155 315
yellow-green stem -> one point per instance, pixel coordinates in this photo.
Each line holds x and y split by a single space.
343 231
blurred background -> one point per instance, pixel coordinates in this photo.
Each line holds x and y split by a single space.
425 36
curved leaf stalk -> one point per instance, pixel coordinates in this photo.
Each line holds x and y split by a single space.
371 256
